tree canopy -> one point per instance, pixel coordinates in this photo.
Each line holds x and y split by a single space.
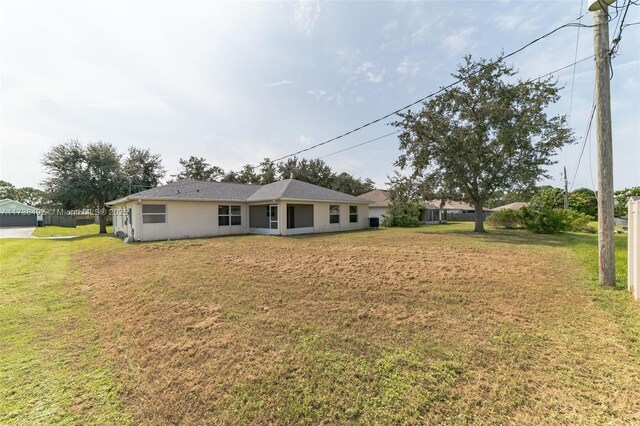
487 135
88 176
27 195
197 168
314 171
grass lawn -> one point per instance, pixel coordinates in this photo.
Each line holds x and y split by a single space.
62 231
53 367
428 325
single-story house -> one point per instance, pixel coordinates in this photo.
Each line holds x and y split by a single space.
512 206
190 208
379 202
431 214
15 213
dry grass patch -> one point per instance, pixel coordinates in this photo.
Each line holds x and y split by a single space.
391 326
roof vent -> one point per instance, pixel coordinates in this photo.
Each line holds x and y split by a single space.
197 190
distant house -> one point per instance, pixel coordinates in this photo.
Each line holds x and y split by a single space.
512 206
190 208
15 213
379 202
431 214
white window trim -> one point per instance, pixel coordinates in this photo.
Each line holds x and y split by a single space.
338 222
230 215
356 214
166 218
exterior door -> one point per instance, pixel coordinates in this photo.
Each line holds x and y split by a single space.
273 216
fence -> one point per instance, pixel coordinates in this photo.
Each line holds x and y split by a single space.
464 217
633 253
59 220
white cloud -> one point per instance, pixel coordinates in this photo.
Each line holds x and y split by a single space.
373 73
407 67
279 83
305 140
305 15
390 26
516 20
459 41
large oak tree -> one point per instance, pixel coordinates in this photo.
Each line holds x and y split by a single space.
487 135
88 176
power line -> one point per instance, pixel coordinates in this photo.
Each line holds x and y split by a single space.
566 66
615 44
584 144
432 94
360 144
397 131
573 78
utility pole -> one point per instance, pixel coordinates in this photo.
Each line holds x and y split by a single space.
566 190
606 246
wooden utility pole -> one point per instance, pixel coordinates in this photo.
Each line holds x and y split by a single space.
606 247
566 190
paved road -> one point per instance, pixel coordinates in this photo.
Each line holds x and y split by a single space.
17 232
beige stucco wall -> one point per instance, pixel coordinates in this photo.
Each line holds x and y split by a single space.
193 219
185 219
321 218
377 212
130 228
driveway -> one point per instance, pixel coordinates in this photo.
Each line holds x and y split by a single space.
17 232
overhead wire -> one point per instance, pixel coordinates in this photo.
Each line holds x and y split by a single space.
573 78
432 94
360 144
398 131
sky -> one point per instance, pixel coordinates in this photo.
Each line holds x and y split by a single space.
236 82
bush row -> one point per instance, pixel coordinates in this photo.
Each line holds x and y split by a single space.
542 220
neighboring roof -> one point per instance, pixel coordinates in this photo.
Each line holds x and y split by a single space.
455 205
378 197
189 189
513 206
5 202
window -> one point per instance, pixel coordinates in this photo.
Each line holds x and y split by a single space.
154 213
229 215
334 214
353 214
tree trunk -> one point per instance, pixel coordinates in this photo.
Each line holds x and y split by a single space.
102 219
479 219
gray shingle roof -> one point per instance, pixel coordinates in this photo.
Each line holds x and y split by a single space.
289 189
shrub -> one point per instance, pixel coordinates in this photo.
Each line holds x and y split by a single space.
404 215
509 219
577 222
546 220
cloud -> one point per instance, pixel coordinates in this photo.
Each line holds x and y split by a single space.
372 72
516 20
390 26
305 15
305 140
407 67
459 41
326 96
279 83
